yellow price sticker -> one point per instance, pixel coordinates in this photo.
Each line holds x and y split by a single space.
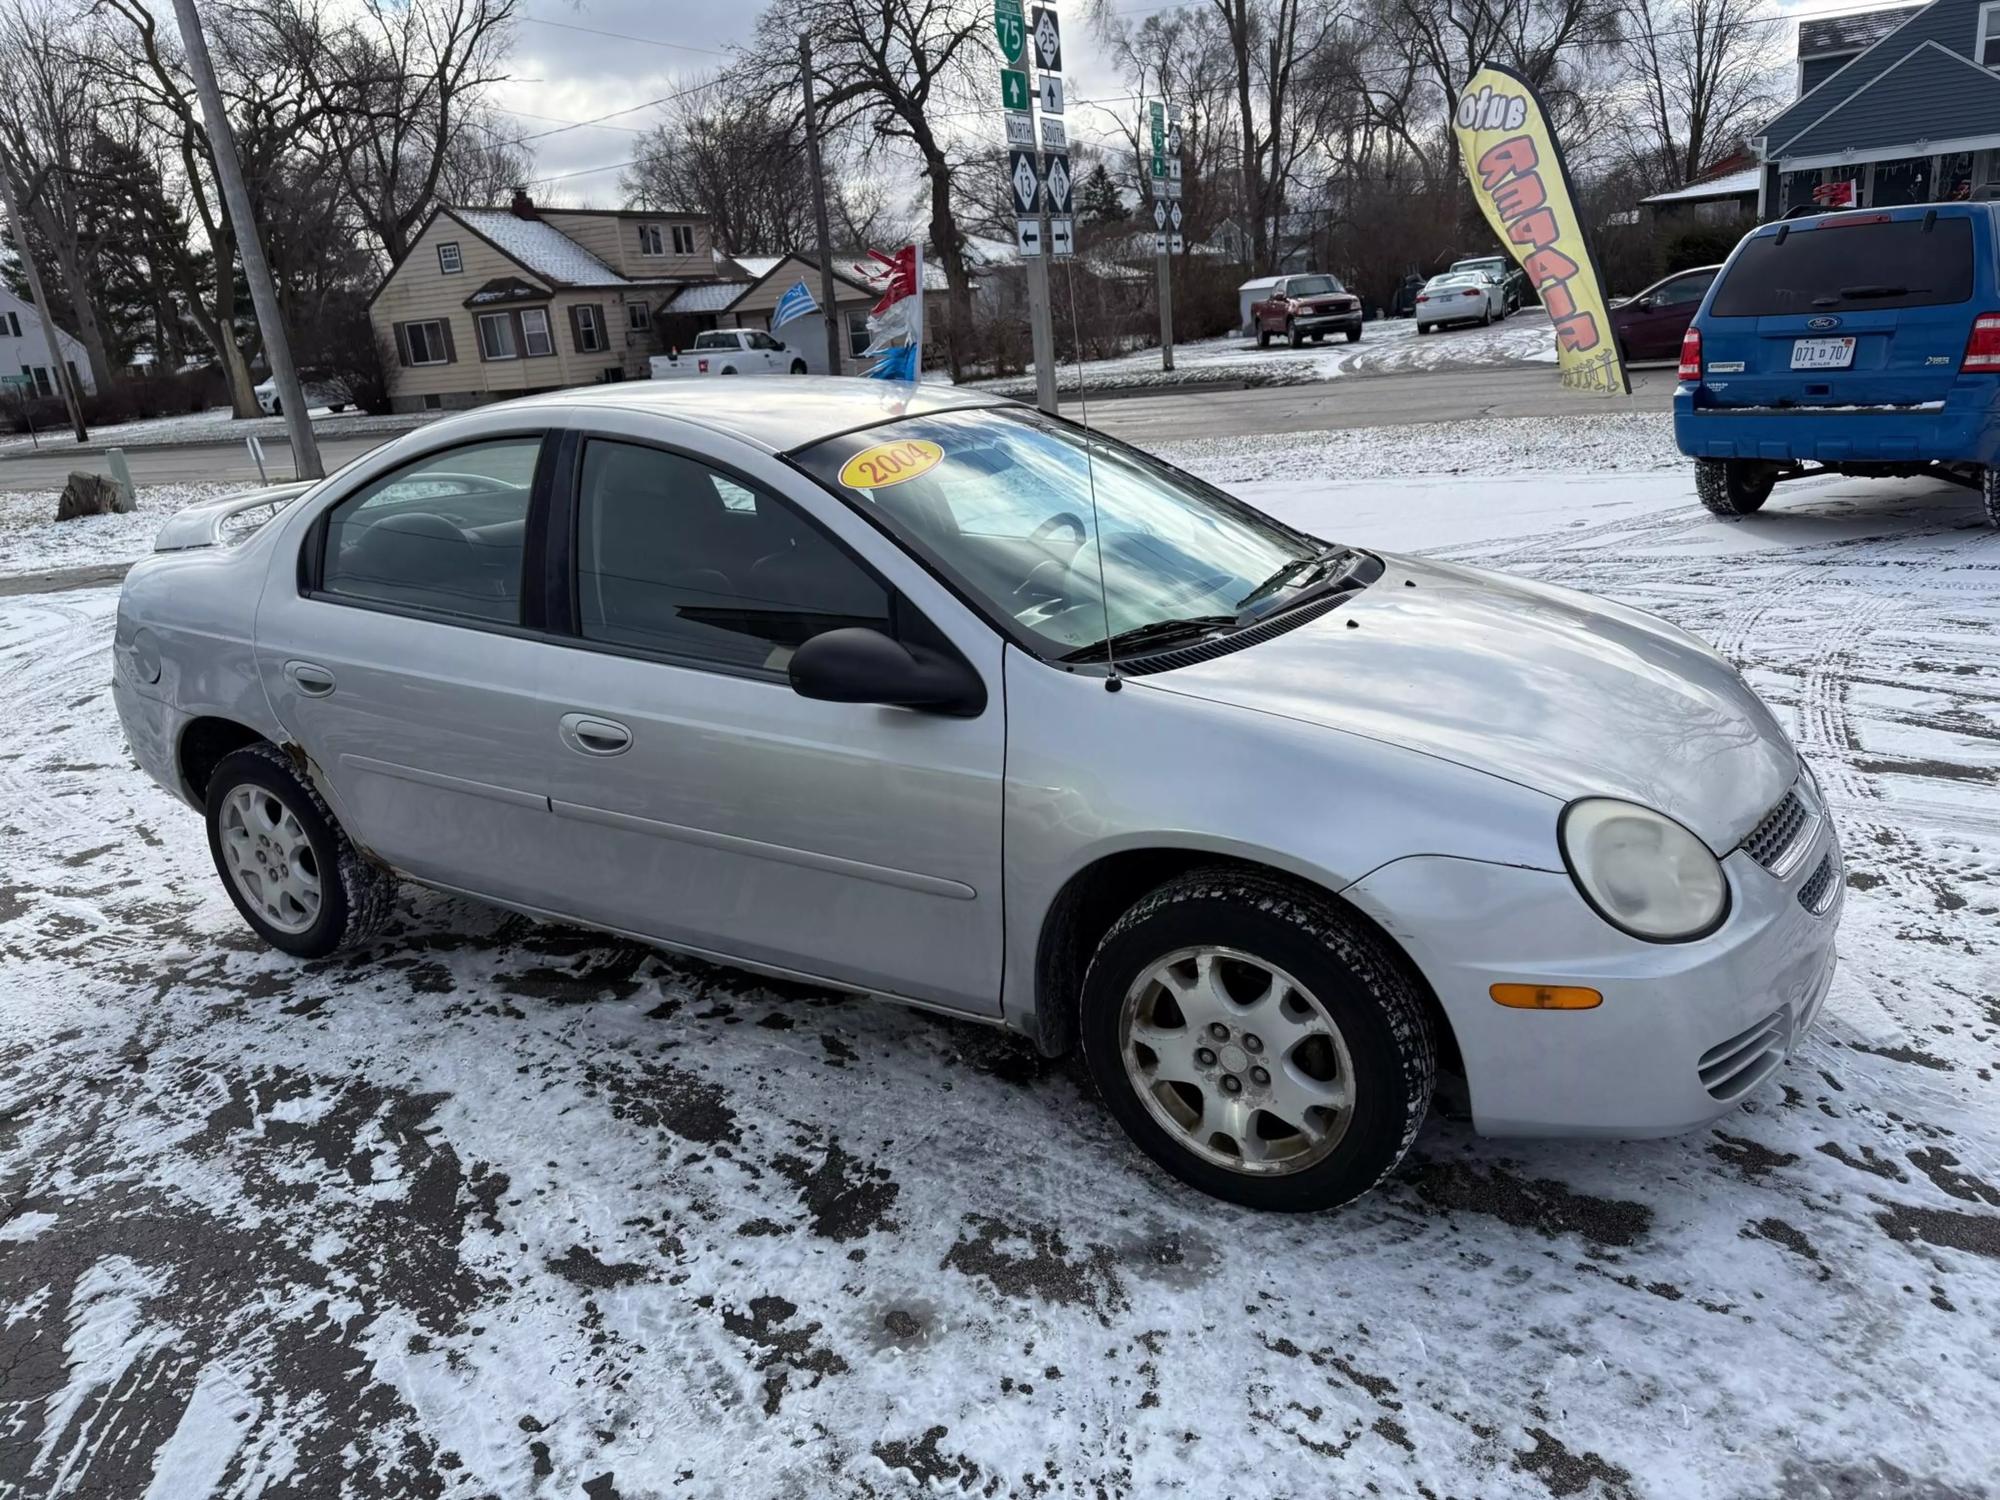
890 463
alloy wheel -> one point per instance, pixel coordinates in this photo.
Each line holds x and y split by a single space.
270 858
1237 1060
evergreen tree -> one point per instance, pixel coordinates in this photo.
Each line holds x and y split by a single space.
1097 200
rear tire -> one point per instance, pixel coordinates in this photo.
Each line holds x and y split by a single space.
1486 318
277 407
798 367
294 875
1291 1001
1989 491
1263 337
1734 486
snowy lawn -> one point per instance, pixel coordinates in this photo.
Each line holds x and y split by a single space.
214 425
1388 346
33 541
507 1209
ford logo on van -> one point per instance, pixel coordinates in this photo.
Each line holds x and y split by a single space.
1819 323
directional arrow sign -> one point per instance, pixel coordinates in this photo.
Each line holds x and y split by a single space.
1010 28
1159 215
1028 234
1022 178
1052 103
1013 89
1048 39
1062 238
1174 244
1056 173
1159 165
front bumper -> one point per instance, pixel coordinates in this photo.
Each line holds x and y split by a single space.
1339 322
1965 428
1686 1032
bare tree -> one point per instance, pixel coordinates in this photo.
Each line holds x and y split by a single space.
735 160
1702 76
890 74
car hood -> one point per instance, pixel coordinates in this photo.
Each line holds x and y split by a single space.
1569 695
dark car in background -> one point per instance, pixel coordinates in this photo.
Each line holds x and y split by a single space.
1850 343
1652 324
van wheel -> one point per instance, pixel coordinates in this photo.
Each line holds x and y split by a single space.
294 876
1989 490
1734 486
1256 1042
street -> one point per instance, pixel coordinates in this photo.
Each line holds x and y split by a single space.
1348 402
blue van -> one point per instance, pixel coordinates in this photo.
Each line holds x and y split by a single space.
1849 342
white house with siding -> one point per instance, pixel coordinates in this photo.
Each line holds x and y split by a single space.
25 351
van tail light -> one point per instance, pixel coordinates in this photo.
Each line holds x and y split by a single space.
1982 350
1690 356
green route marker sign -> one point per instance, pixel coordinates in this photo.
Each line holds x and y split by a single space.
20 380
1012 30
1013 89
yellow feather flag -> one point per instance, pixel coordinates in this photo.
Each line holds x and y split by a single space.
1523 188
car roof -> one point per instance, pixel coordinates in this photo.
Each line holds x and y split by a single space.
1899 213
778 413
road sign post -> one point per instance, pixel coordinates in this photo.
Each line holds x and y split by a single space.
1158 114
1032 43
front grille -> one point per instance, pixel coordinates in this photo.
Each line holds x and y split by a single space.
1784 825
1733 1068
1816 895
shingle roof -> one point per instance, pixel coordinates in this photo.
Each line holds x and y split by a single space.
541 248
705 297
1851 33
507 289
1729 185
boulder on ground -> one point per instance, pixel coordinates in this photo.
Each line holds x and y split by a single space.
93 495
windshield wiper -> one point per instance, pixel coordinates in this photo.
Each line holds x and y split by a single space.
1291 570
1863 293
1156 633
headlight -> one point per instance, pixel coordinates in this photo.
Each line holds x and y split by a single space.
1642 871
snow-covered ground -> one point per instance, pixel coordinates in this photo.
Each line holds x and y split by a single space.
507 1209
1388 346
211 426
31 540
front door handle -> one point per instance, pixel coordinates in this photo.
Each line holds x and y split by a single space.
309 678
588 734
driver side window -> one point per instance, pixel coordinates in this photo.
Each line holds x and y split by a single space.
445 534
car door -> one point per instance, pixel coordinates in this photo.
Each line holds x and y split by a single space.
1662 321
393 647
698 800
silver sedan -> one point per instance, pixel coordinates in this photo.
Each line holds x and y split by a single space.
1461 297
928 696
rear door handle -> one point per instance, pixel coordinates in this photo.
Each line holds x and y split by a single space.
588 734
312 680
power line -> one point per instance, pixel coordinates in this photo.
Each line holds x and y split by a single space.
623 36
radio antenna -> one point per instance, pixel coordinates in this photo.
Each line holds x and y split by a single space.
1112 683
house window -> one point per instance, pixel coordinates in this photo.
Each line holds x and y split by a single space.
638 316
1988 51
12 321
857 333
651 240
449 260
535 332
496 336
40 376
427 343
684 239
589 325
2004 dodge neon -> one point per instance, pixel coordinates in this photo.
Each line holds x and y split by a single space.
926 695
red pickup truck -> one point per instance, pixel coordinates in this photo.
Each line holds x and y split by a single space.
1306 307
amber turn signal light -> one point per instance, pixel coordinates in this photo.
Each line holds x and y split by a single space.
1546 997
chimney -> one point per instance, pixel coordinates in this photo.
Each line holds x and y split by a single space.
523 207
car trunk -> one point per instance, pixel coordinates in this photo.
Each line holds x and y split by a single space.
1856 310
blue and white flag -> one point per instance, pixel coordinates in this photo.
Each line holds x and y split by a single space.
796 303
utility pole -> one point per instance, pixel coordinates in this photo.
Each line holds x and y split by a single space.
826 291
256 270
58 366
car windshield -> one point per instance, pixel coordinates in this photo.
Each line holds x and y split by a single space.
1311 286
1009 505
1843 267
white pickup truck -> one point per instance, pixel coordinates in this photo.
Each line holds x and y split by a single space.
730 351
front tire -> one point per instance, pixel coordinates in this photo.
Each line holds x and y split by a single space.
798 367
1989 491
1293 336
1257 1042
295 877
1734 486
1354 335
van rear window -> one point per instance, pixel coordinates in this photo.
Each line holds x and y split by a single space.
1849 267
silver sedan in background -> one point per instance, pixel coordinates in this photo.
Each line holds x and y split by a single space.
926 695
1461 297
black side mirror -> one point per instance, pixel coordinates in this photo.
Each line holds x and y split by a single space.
859 665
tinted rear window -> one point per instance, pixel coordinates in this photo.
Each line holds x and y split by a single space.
1849 267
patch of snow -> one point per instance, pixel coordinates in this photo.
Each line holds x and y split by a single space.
540 247
213 425
33 541
1729 185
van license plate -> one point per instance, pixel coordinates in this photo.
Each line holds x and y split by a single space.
1822 354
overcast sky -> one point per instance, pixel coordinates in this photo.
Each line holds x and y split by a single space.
564 71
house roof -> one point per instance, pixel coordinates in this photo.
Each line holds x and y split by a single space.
539 248
757 267
705 297
1851 33
506 289
1929 93
1728 185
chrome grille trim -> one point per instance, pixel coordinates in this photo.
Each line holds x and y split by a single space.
1820 887
1785 836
